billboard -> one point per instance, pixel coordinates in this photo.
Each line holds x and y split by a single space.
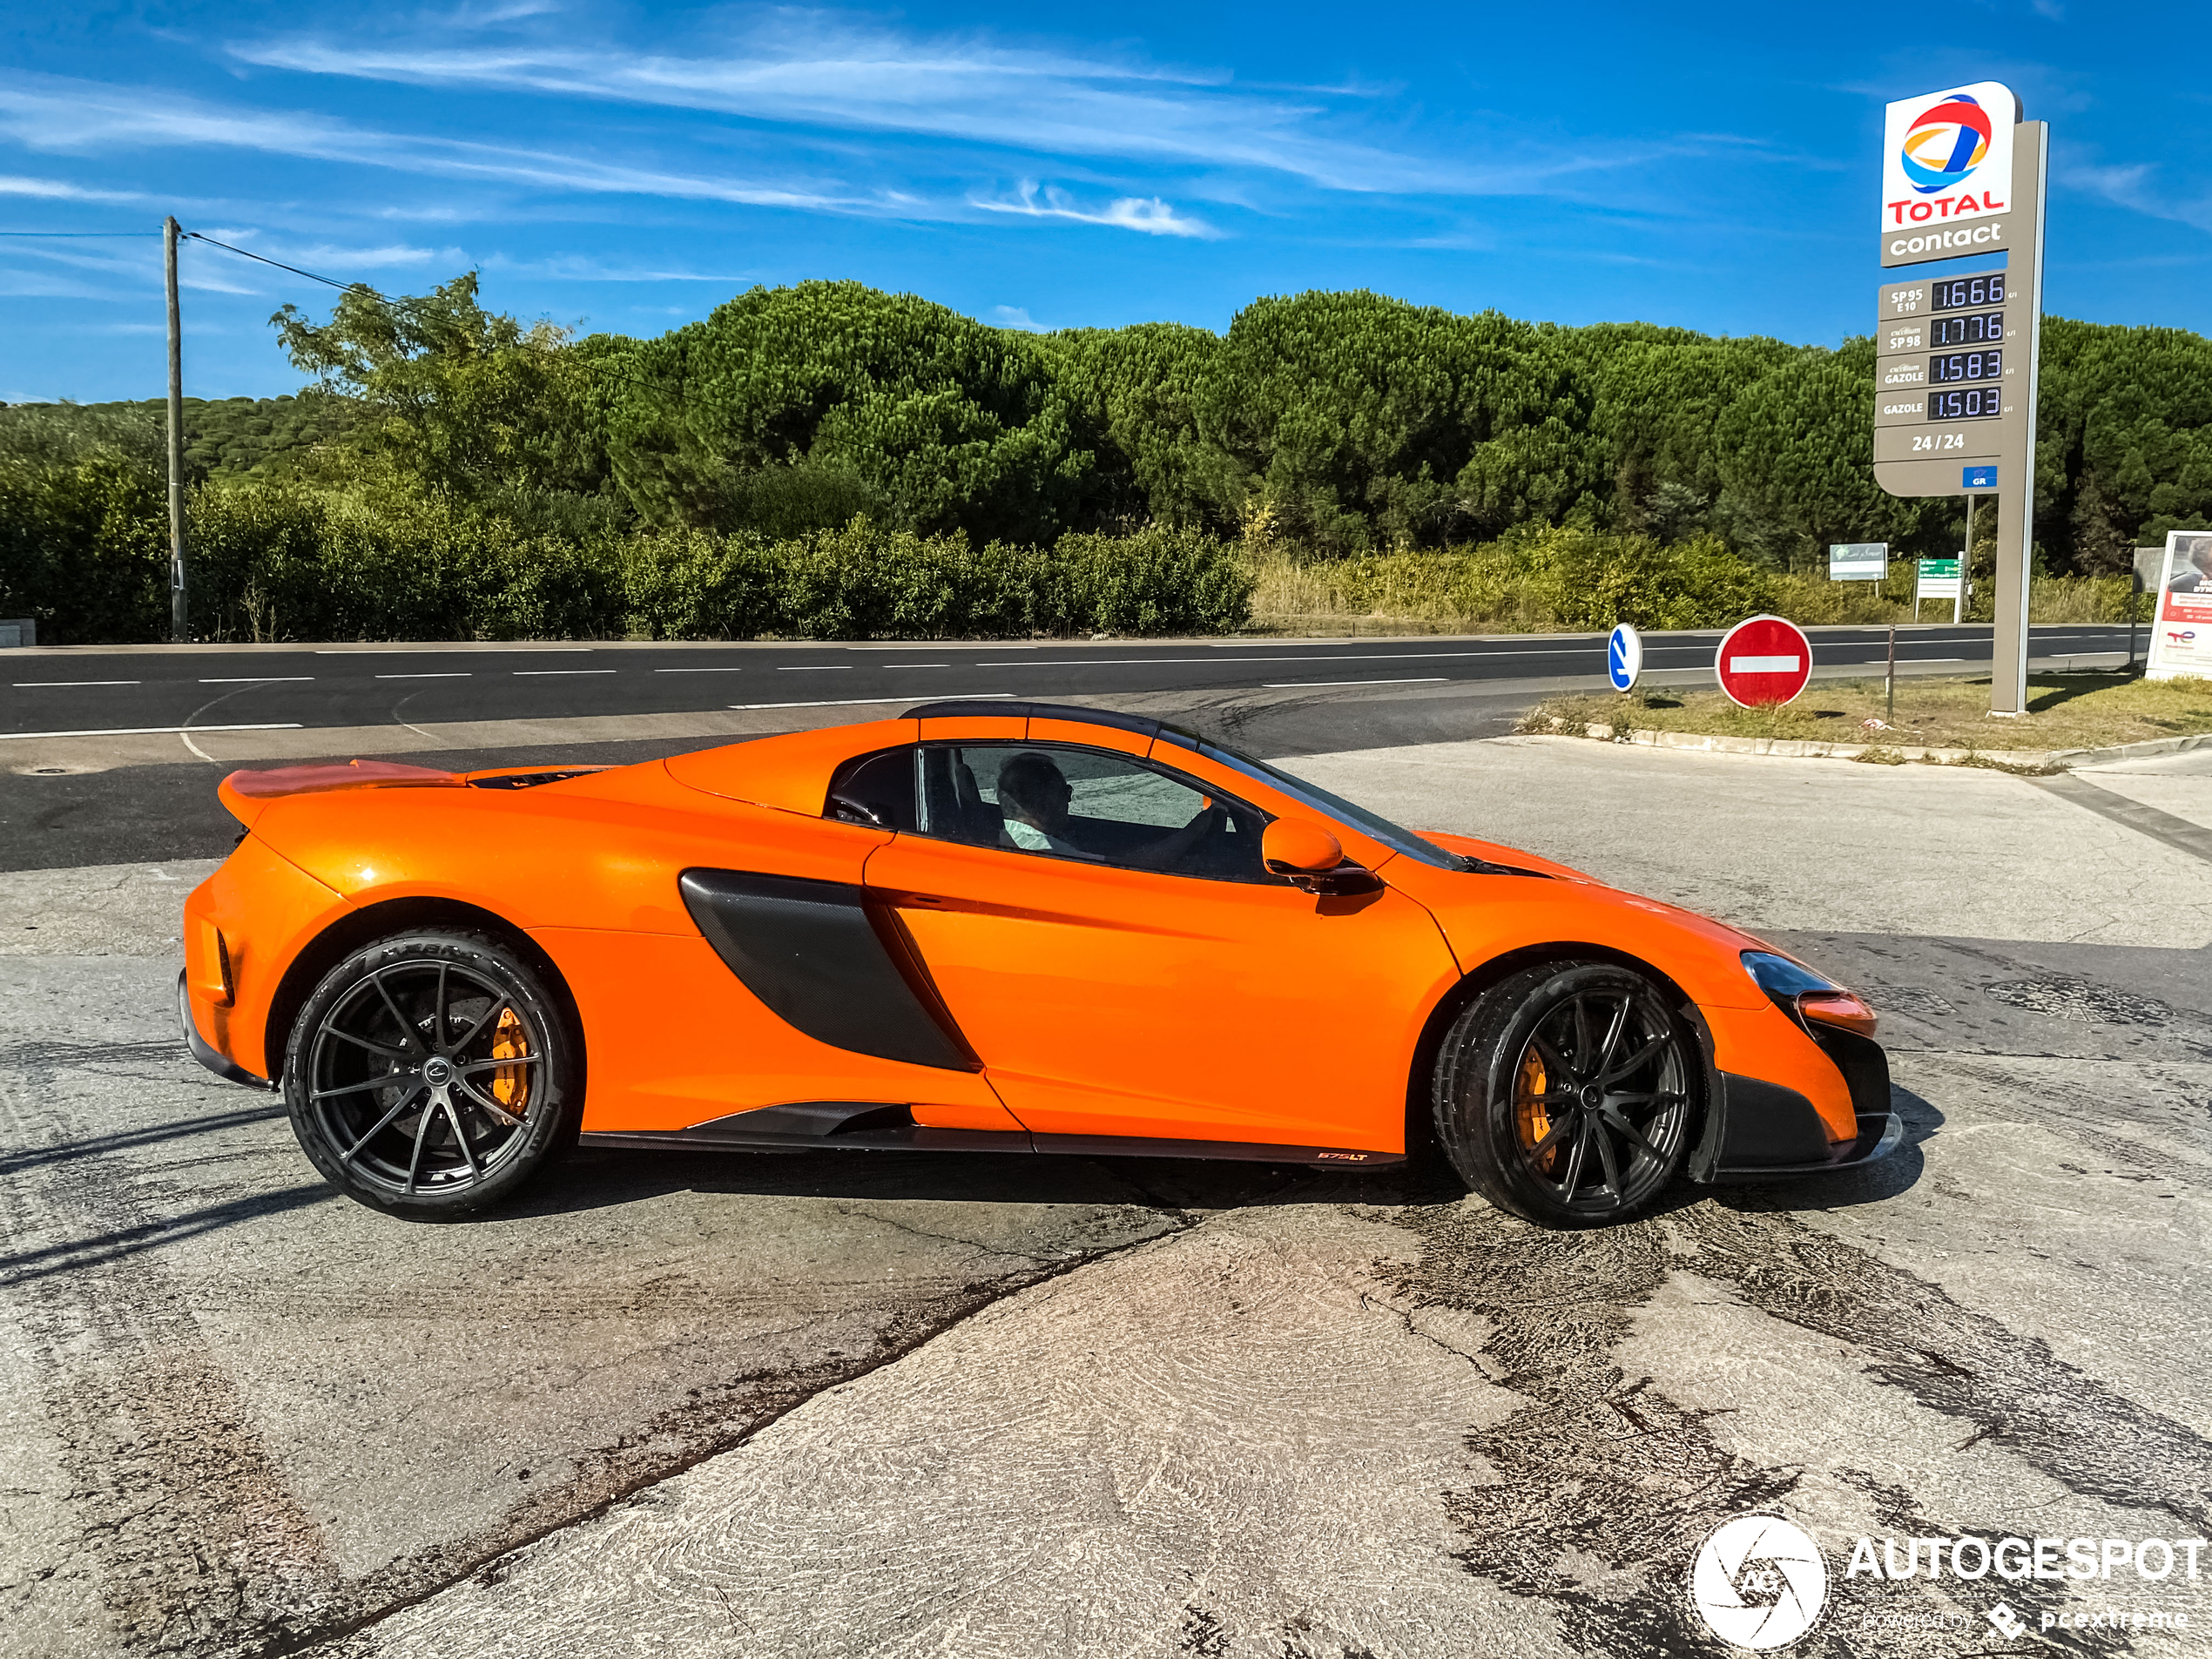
1947 173
2180 631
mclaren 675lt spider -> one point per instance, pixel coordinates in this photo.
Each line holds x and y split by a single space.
993 926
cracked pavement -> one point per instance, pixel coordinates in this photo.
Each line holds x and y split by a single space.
829 1404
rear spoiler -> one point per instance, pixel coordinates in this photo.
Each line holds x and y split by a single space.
244 793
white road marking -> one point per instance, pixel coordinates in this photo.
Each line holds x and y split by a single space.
455 674
525 673
849 702
156 730
27 686
1307 685
812 668
257 679
698 671
453 650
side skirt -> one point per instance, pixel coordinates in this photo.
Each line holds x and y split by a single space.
862 1126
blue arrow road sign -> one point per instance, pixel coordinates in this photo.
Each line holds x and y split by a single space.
1623 656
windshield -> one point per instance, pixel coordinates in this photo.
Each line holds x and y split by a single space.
1393 836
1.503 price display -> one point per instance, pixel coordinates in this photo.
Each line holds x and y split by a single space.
1960 293
1983 328
1966 366
1971 403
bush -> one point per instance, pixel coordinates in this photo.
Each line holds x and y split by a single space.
84 524
865 583
280 562
1568 578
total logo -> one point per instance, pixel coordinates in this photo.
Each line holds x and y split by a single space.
1945 141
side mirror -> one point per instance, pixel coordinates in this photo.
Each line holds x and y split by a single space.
1309 857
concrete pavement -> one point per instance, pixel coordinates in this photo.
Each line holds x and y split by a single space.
889 1404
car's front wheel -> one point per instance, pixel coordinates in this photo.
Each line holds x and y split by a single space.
1564 1094
431 1074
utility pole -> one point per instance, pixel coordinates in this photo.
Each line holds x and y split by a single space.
180 623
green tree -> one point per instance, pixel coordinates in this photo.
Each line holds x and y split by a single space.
830 398
468 400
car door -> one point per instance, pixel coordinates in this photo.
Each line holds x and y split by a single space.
1112 989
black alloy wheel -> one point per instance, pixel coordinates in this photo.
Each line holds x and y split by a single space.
1565 1093
431 1074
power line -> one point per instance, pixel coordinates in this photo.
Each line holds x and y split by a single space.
52 233
312 276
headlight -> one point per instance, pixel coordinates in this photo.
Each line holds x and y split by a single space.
1781 978
1806 995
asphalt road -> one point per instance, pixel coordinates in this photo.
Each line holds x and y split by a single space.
92 690
109 757
833 1404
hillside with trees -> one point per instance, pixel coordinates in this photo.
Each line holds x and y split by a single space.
449 471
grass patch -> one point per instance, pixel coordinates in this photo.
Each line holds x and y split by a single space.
2065 712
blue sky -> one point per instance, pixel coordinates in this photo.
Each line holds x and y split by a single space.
627 169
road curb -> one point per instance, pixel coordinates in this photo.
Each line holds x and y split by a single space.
1807 749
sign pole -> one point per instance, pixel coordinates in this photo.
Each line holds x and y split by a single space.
1965 563
2016 488
180 616
1956 357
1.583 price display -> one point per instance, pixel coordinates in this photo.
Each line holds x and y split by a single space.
1966 366
1959 293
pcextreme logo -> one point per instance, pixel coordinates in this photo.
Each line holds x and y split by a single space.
1945 141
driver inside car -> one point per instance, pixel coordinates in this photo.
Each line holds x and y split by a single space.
1034 796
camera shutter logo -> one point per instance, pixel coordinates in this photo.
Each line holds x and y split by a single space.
1759 1582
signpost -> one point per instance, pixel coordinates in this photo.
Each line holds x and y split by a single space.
1940 579
1763 662
1623 656
1858 561
1956 355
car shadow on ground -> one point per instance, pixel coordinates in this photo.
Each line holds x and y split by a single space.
604 1178
1848 1189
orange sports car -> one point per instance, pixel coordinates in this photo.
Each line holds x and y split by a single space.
994 925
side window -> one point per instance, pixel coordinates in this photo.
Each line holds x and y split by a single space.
1088 805
876 789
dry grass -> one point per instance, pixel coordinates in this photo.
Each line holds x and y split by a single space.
2065 712
1430 592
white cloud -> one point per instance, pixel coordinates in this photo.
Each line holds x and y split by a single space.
1016 317
810 69
1146 214
58 190
2131 186
52 114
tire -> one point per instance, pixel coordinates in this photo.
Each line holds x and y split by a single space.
1565 1093
433 1074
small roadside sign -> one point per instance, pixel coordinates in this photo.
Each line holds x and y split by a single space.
1763 662
1938 580
1623 656
1858 561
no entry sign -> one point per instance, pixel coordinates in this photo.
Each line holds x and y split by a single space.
1763 662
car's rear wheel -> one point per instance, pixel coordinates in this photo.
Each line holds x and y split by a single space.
1564 1094
431 1074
